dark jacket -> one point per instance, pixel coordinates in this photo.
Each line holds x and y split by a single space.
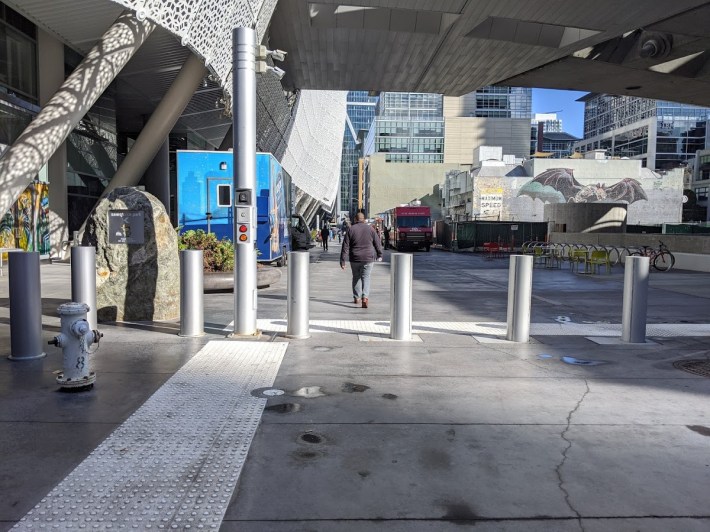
361 244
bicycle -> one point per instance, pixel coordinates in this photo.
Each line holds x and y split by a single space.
661 259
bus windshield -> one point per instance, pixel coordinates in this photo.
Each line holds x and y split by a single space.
413 221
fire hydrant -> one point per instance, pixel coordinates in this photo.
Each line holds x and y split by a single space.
76 339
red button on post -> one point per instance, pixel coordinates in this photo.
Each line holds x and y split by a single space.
242 228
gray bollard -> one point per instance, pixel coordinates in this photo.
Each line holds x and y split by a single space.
83 279
25 306
519 297
298 295
633 314
401 296
192 314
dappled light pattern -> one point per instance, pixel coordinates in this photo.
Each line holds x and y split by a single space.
67 107
206 27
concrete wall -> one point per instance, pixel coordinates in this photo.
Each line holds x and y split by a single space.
391 184
587 217
463 134
690 252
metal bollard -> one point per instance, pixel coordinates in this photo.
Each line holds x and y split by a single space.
633 314
192 314
298 295
519 297
83 279
401 296
25 306
75 339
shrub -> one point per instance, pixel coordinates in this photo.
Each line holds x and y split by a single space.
217 255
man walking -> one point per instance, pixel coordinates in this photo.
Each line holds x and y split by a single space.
324 234
362 246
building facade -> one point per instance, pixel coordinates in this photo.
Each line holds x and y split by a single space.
661 134
408 128
416 128
361 113
490 116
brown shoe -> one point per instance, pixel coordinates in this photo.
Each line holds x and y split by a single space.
356 300
364 302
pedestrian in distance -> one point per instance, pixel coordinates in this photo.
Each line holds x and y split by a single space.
362 247
386 232
324 234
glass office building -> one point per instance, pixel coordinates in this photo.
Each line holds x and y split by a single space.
408 128
662 134
503 102
361 113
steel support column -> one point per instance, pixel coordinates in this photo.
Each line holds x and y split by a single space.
67 107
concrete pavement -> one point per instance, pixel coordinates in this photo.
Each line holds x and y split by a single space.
451 430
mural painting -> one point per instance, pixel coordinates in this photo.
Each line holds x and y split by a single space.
26 225
651 197
558 185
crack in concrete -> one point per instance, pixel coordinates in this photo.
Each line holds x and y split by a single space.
558 469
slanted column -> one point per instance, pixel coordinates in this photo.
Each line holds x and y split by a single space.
157 177
159 125
50 57
50 128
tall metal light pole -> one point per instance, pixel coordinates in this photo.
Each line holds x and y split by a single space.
244 130
248 60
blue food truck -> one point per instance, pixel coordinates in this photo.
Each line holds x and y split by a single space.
204 194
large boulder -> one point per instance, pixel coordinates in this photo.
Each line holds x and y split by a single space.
137 275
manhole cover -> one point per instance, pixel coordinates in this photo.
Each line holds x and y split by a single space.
696 367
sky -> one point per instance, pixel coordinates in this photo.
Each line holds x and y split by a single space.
563 103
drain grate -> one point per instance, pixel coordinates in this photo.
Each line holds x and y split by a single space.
696 367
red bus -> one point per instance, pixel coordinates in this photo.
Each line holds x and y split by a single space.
410 227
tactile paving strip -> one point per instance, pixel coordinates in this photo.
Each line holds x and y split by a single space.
175 462
668 330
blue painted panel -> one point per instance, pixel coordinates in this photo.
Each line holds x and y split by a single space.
199 173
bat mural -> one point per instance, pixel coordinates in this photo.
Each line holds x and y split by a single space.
558 185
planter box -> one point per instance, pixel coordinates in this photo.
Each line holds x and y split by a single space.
221 281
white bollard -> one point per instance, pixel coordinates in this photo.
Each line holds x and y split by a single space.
401 296
83 279
192 313
519 298
298 295
75 339
633 314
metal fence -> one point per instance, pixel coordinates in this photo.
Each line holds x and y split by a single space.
461 235
687 229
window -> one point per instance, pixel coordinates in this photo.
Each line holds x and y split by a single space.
18 54
224 195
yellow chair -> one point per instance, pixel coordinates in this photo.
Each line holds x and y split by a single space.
577 257
600 258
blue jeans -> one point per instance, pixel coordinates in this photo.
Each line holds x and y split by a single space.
361 279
